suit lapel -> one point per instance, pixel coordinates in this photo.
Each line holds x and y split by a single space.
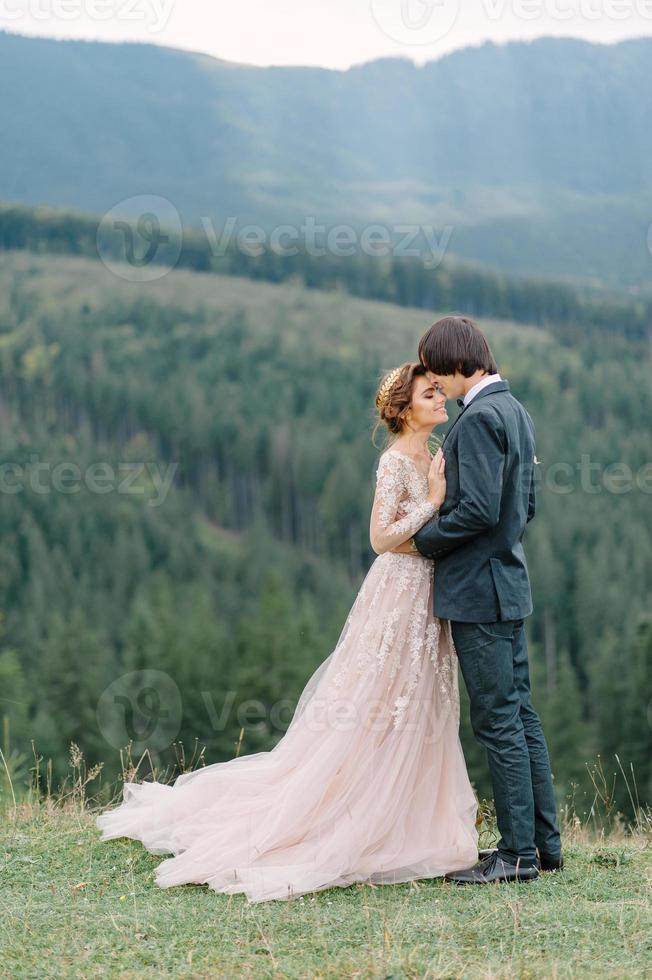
462 411
490 389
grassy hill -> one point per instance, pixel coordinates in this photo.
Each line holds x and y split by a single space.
236 576
93 908
533 154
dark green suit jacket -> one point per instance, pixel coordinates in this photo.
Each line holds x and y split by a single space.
480 570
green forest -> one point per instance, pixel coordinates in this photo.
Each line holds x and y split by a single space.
187 472
567 309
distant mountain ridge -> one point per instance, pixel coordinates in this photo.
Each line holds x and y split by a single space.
535 154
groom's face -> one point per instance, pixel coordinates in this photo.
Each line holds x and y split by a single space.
450 385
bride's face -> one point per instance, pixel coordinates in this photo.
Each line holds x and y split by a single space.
428 407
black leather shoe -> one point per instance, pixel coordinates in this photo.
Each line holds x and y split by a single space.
493 869
551 862
486 852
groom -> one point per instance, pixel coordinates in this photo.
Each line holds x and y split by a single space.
482 587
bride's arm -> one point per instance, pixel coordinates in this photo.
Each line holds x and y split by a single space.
385 531
481 462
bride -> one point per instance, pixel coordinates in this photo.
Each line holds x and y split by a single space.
368 783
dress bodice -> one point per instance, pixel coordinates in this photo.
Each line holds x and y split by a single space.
401 504
414 482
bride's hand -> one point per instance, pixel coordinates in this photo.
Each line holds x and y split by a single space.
437 479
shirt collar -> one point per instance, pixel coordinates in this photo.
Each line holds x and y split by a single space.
479 385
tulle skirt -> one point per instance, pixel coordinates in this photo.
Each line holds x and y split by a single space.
368 783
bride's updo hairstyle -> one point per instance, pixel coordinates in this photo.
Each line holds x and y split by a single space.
394 397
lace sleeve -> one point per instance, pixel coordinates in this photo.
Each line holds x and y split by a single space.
386 531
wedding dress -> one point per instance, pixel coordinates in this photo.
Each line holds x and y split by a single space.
368 783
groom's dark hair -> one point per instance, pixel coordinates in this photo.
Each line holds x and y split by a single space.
456 343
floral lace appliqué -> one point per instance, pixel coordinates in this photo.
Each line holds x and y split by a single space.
401 504
390 626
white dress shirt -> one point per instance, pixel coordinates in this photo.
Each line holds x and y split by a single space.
472 392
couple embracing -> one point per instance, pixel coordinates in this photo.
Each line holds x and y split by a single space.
369 783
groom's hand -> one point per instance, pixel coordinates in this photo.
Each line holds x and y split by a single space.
403 549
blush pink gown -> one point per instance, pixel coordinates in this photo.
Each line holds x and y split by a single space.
368 784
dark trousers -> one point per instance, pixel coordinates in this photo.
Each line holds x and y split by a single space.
494 662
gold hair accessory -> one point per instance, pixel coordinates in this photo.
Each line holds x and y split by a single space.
386 387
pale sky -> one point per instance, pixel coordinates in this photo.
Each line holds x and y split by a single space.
330 33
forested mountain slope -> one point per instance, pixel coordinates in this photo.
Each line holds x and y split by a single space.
238 576
534 155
